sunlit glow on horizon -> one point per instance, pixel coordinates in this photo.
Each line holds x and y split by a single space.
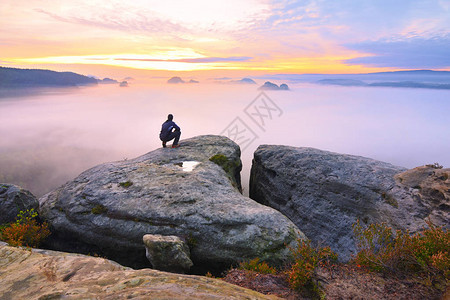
186 60
239 35
134 61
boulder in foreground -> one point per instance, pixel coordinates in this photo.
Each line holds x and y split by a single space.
40 274
109 208
14 199
324 193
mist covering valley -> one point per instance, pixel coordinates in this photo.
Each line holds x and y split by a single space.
49 136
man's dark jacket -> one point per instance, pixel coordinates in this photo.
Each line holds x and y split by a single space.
167 128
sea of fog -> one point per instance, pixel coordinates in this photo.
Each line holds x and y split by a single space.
49 136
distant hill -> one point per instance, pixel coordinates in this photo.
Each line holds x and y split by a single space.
244 81
228 80
344 82
414 72
175 80
413 84
107 81
425 79
419 76
13 77
405 84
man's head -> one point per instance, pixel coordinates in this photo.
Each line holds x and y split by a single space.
170 117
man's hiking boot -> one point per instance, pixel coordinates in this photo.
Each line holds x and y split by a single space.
164 145
175 146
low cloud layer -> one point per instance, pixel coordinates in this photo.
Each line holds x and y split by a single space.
51 137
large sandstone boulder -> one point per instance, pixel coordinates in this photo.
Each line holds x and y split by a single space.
324 193
429 186
38 274
109 208
14 199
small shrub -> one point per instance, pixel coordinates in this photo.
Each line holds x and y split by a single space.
26 216
26 231
306 260
257 266
2 227
382 249
441 261
373 243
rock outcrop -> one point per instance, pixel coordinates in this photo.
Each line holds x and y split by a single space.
284 87
109 208
273 87
429 186
40 274
14 199
167 253
324 193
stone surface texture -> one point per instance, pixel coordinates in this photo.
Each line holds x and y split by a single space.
324 193
44 274
14 199
167 253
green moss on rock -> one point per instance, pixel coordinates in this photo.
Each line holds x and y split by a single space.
99 209
228 165
223 161
126 184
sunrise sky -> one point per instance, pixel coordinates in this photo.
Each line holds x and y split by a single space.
232 37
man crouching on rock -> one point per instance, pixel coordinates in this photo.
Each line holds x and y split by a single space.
170 131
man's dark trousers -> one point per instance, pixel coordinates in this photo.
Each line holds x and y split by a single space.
173 135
